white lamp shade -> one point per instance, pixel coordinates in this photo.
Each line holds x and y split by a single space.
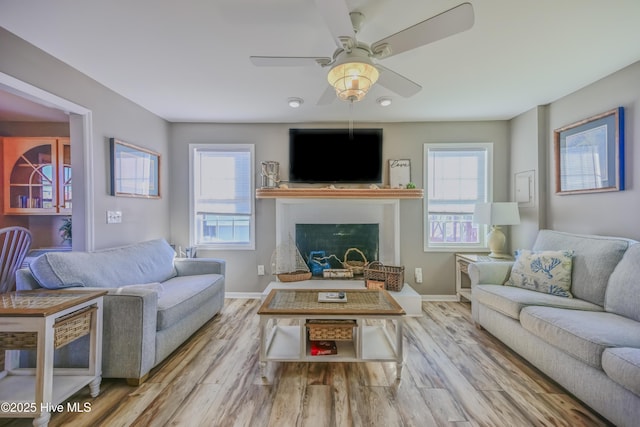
504 213
495 215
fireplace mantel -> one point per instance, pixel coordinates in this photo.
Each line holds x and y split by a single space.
339 193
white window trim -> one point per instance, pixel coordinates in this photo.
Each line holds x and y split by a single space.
482 246
252 227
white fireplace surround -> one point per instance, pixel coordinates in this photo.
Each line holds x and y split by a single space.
384 212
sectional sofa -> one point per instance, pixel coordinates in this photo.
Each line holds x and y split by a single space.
155 301
587 340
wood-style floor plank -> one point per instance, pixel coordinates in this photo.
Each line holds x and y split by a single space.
454 376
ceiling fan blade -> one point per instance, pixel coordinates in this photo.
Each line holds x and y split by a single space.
438 27
288 61
336 16
397 83
328 96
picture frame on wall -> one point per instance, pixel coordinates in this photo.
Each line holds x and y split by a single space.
589 154
135 171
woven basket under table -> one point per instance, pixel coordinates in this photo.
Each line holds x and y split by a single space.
330 330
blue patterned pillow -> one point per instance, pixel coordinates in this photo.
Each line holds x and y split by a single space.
547 271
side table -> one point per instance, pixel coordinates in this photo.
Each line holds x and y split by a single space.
463 283
44 320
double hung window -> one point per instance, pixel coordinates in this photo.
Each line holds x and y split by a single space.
222 202
457 176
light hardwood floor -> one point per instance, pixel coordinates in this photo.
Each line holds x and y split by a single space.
455 375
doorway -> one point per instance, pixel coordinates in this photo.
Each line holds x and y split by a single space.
34 101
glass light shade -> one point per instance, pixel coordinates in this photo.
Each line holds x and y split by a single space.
352 80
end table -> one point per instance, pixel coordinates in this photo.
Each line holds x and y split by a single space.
44 320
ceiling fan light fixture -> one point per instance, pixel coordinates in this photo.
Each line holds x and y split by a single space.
352 80
295 102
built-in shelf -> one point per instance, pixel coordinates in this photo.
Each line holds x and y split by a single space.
335 193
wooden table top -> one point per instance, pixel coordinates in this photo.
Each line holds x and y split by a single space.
371 302
42 303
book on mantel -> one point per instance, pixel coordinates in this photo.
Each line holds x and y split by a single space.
323 348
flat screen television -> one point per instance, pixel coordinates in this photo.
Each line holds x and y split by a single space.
335 156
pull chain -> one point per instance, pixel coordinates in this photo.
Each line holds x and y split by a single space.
351 120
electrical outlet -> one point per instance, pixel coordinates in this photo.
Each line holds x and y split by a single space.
261 270
418 275
114 217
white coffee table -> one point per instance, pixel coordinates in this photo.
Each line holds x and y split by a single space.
408 298
372 341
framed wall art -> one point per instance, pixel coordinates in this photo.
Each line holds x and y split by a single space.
589 154
399 173
135 171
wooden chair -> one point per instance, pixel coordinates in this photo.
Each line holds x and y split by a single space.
15 243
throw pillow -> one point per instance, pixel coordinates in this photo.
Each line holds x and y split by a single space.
547 271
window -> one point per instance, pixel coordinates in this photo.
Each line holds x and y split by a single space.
222 203
457 176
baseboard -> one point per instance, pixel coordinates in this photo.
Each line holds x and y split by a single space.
446 298
249 295
258 295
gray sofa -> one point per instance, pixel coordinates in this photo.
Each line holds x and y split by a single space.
155 301
589 343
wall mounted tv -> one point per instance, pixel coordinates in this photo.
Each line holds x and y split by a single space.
335 156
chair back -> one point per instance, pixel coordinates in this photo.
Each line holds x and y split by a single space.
14 243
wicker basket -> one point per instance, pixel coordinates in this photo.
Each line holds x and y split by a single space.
73 326
66 329
18 340
392 276
295 276
330 330
356 266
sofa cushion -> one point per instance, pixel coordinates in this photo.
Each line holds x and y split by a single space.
594 258
623 292
145 262
623 366
584 335
511 300
182 295
548 272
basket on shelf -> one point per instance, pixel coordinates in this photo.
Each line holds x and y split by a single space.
330 330
392 276
357 267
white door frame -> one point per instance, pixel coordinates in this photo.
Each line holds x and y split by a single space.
81 132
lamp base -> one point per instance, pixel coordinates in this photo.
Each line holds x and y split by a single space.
496 240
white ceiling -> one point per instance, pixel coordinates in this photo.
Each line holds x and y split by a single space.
189 60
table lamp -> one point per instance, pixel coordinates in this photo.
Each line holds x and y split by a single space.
496 215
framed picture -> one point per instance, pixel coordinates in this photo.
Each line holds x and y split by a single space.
399 173
589 155
135 171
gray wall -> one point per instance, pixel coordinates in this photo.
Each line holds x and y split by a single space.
401 140
611 213
531 136
112 116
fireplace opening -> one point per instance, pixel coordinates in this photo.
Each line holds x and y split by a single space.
325 240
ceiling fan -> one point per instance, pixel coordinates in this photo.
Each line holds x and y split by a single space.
354 64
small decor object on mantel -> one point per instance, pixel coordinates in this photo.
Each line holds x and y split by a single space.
399 173
287 263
